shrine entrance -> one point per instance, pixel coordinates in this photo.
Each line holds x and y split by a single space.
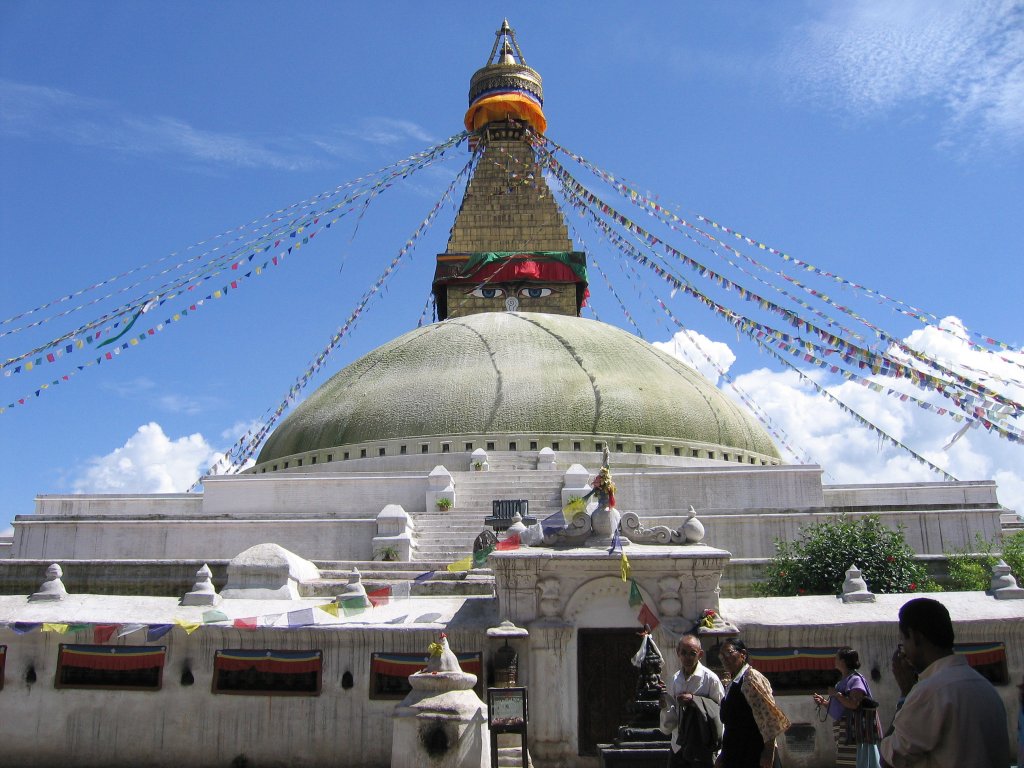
606 682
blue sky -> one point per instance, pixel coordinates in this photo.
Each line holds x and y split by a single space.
880 141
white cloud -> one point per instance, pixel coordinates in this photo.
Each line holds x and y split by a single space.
148 462
879 56
851 453
389 131
695 349
32 111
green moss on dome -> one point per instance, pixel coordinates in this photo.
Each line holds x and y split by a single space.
514 373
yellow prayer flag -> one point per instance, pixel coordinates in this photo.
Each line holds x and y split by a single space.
574 509
461 565
60 629
624 568
188 626
331 608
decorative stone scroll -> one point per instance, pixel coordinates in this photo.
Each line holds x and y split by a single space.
690 532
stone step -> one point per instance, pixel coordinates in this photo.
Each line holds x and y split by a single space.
512 757
406 574
434 587
345 566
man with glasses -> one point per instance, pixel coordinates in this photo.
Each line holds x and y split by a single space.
690 708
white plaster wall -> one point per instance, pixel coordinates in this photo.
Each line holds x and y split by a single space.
340 495
192 539
706 488
976 492
105 505
189 726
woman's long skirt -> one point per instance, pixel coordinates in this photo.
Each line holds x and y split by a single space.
846 754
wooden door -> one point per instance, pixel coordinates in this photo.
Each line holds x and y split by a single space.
606 682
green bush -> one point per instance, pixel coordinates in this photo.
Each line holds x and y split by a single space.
970 568
1013 554
816 563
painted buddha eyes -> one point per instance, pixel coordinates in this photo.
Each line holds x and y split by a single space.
491 292
535 293
487 292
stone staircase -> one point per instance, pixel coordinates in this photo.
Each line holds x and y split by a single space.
442 537
448 535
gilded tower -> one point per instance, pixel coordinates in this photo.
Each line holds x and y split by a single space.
509 248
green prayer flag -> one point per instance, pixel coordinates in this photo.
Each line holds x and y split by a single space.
353 605
635 598
480 557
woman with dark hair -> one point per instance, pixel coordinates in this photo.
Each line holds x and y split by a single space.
850 691
750 715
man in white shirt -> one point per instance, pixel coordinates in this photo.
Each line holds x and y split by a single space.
690 708
952 716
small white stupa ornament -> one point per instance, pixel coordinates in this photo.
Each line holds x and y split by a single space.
1004 585
855 589
203 592
442 722
52 588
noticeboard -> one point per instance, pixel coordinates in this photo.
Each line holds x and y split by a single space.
506 710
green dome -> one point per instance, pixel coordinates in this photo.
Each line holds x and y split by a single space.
507 373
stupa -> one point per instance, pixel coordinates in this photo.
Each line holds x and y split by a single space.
385 461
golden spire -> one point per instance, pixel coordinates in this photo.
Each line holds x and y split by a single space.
505 87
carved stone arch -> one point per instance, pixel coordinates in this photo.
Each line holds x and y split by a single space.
603 602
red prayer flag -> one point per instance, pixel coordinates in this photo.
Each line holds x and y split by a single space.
646 616
246 623
102 632
380 596
512 542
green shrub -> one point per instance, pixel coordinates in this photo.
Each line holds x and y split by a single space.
816 563
1013 554
970 567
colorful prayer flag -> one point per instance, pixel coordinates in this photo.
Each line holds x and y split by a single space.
331 608
512 542
127 629
553 523
212 617
380 596
635 598
101 633
647 617
353 605
60 629
461 565
247 623
188 626
481 555
156 631
616 543
303 618
624 568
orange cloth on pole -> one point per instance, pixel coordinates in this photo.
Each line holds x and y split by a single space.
500 106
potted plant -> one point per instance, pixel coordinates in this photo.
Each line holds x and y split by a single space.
386 554
444 503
